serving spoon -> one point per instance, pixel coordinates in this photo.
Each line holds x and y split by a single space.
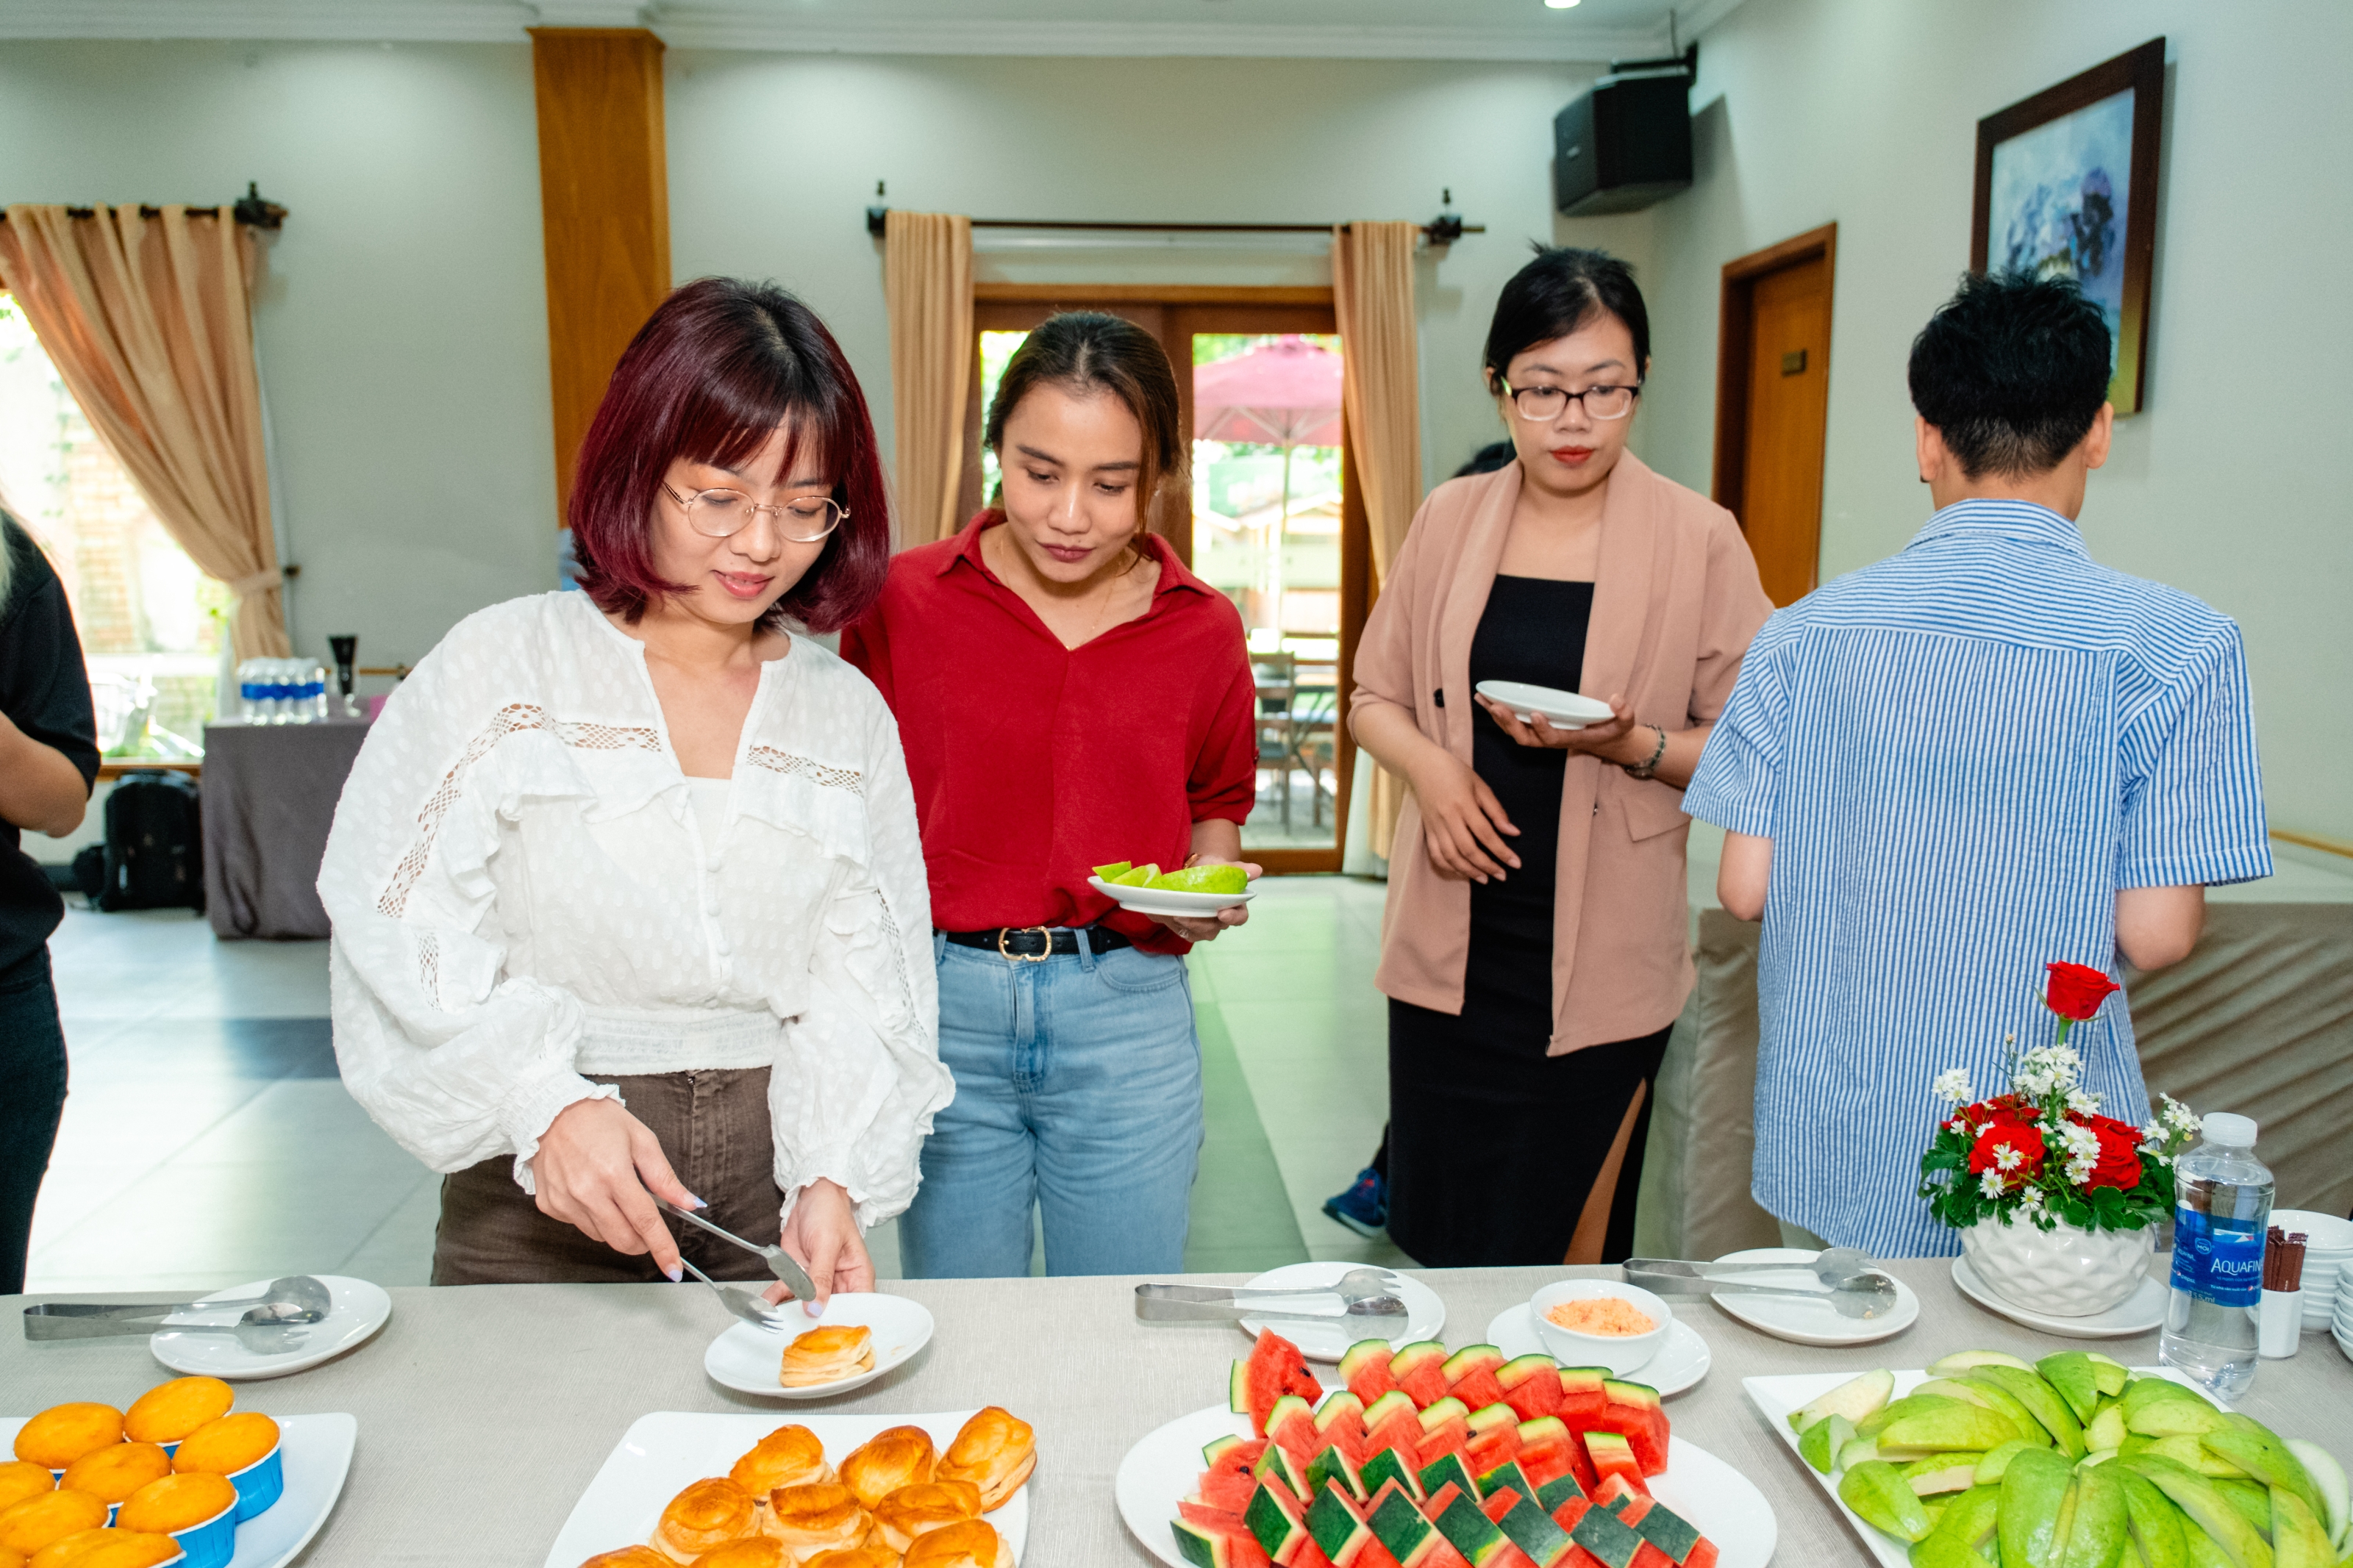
1365 1295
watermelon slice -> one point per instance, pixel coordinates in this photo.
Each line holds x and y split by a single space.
1420 1370
1394 1424
1470 1375
1635 1413
1613 1456
1531 1386
1459 1364
1540 1539
1288 1475
1449 1437
1278 1523
1340 1408
1607 1537
1409 1538
1227 1490
1390 1468
1582 1400
1544 1446
1193 1511
1551 1494
1213 1549
1676 1538
1499 1502
1616 1493
1292 1425
1494 1436
1442 1499
1505 1476
1472 1533
1331 1467
1365 1369
1275 1368
1448 1469
1339 1530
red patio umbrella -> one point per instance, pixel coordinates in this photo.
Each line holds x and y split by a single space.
1282 394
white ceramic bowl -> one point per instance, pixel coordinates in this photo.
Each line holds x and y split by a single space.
1562 709
1621 1353
2325 1235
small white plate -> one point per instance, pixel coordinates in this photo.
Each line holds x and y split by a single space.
1808 1322
747 1358
1683 1360
665 1452
1425 1314
1169 901
360 1308
2142 1312
1163 1468
317 1455
1562 709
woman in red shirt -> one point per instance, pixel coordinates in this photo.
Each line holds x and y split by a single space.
1069 695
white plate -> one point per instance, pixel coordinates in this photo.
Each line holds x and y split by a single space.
1775 1397
747 1358
317 1455
1562 709
1169 901
1682 1361
1425 1313
663 1453
360 1309
1161 1471
2142 1312
1808 1322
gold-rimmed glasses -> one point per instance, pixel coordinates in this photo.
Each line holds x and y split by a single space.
1542 403
717 514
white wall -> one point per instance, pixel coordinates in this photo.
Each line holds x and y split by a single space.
1864 112
403 327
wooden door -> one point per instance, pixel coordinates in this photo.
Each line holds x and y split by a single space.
1773 407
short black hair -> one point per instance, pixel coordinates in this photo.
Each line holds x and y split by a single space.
1562 289
2012 371
1488 458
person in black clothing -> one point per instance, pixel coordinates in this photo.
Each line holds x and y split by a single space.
48 758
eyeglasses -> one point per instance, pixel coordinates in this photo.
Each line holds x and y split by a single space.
721 513
1540 403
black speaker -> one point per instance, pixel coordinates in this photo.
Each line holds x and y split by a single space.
1624 145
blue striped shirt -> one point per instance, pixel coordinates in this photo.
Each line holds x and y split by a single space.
1960 755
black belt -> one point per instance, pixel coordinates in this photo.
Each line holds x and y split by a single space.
1036 943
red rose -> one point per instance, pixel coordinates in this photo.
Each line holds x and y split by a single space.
2076 992
2119 1164
2026 1140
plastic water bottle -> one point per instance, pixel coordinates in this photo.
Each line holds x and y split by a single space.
315 693
2223 1205
249 691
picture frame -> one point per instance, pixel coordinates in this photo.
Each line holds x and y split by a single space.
2049 198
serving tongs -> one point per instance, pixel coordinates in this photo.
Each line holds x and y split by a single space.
781 1264
289 1303
1361 1296
1852 1289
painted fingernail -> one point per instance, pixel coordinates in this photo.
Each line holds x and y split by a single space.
695 1203
813 1308
677 1274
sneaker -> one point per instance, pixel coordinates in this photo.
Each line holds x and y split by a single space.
1364 1207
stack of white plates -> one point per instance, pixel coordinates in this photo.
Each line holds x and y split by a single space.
2327 1261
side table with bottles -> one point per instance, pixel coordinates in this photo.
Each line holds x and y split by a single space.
270 788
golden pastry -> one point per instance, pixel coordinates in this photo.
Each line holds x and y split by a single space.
996 1451
893 1457
64 1432
109 1548
113 1473
787 1457
709 1513
176 1502
170 1411
32 1524
827 1354
814 1519
20 1480
854 1557
759 1551
971 1544
921 1508
226 1444
11 1558
629 1557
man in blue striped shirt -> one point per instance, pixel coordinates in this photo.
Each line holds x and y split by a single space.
1945 771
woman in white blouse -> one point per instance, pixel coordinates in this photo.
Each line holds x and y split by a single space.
624 881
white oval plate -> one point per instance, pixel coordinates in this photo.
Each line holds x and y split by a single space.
1683 1358
2141 1312
1562 709
1163 1468
1806 1322
1169 901
360 1308
747 1358
1425 1314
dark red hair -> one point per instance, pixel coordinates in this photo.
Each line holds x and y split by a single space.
716 368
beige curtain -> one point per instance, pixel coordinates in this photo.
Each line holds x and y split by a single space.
1372 294
148 320
927 285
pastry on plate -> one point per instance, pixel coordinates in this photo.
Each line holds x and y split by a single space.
996 1451
854 1557
113 1473
828 1354
893 1457
974 1543
177 1502
921 1508
227 1444
787 1457
28 1526
20 1480
629 1557
708 1514
64 1432
170 1411
754 1551
109 1548
823 1516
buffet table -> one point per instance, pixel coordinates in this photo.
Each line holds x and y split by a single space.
485 1411
269 798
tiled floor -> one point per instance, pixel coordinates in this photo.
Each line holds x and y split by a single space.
207 1140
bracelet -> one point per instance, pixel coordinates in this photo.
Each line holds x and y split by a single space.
1650 766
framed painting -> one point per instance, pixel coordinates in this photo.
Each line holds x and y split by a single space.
2067 185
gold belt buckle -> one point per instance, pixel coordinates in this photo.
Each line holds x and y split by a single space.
1039 957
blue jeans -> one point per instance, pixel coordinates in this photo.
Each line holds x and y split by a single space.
1078 1087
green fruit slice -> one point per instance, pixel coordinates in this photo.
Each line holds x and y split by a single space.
2157 1525
1204 880
2040 1402
1883 1500
2096 1534
1115 870
2034 1491
2071 1373
1136 876
2330 1479
1858 1399
1821 1442
2298 1538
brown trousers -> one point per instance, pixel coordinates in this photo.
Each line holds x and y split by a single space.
713 1126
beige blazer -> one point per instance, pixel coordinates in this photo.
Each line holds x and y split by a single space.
1675 603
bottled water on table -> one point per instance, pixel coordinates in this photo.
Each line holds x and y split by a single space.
250 675
2222 1203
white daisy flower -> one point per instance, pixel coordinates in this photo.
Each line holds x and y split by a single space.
1952 1085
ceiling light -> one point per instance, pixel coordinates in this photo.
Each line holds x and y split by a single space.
1558 5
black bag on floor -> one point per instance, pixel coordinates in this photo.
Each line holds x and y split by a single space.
154 843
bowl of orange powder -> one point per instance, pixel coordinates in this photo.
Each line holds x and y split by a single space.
1601 1322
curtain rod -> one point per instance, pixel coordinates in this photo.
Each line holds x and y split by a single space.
1444 229
249 208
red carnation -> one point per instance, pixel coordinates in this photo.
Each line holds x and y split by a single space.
2119 1162
2024 1138
2076 992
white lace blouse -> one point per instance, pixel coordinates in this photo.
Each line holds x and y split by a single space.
524 892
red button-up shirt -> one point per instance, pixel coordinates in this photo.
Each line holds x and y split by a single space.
1033 762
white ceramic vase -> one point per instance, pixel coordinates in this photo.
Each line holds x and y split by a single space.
2065 1272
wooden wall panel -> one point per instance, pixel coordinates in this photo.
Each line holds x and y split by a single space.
604 193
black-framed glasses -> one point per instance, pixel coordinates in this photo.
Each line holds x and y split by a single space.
1536 404
804 519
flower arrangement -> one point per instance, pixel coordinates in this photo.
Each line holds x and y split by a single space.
2042 1152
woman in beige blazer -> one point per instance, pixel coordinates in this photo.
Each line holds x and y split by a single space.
1534 949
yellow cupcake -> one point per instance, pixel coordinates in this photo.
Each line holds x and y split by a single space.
64 1432
170 1411
36 1522
108 1548
20 1480
226 1444
113 1473
176 1502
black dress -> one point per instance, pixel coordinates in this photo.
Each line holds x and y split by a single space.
1494 1145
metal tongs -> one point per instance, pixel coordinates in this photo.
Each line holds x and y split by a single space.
1850 1287
1361 1296
781 1264
289 1303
